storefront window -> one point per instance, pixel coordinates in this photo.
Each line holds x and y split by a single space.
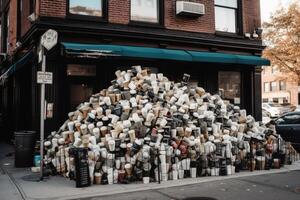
87 8
226 15
230 86
145 11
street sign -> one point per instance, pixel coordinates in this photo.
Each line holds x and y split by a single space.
49 39
44 77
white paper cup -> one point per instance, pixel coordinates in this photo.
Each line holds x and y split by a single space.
71 126
131 135
111 145
91 171
229 169
174 174
114 134
146 180
118 164
110 179
83 129
91 127
96 132
180 174
193 172
162 159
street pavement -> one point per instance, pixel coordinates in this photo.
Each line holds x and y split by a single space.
281 186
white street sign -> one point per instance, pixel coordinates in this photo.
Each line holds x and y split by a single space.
49 39
44 77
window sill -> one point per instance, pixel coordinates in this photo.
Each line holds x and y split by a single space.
145 24
227 34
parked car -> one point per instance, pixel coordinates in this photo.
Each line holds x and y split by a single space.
273 109
266 117
297 108
287 107
288 126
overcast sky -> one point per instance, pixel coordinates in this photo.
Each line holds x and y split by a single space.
269 6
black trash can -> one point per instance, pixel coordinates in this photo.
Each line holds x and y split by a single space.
24 148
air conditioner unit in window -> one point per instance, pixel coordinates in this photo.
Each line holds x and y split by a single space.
186 8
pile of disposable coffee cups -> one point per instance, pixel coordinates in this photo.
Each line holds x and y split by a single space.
147 128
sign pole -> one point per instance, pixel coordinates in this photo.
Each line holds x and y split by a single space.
48 41
42 132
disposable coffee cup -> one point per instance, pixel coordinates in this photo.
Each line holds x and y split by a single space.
174 174
181 174
98 177
146 180
128 169
71 126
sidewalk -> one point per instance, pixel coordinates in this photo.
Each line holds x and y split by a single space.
14 184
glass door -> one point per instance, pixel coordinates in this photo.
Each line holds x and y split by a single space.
230 86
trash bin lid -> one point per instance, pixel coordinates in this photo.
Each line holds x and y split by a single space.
25 133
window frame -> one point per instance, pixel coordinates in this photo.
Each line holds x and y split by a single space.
268 86
275 87
103 18
238 20
282 87
161 13
32 4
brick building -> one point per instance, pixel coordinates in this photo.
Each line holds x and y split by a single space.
220 48
277 88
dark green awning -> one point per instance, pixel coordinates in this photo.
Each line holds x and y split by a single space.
16 66
164 54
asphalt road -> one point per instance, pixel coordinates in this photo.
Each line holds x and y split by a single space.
283 186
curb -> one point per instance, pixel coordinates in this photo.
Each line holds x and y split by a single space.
177 183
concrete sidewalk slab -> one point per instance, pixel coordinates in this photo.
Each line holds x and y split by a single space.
58 187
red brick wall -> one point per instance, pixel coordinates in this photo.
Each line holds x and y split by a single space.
119 11
25 23
204 23
53 8
12 29
251 15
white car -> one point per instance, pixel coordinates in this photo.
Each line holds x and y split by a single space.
273 109
297 109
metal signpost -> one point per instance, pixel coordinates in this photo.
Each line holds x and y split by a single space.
48 41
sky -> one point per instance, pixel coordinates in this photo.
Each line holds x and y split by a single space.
87 3
269 6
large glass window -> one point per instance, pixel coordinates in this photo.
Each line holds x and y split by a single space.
145 11
87 8
230 86
226 15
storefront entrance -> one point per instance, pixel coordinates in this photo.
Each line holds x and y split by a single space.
81 79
